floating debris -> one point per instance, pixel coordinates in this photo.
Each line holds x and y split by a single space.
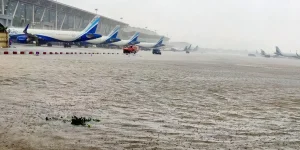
96 120
75 120
80 121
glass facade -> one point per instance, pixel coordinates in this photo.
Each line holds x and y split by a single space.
41 14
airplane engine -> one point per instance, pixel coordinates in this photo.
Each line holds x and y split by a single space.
134 42
92 35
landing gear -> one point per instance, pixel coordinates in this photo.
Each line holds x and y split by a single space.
49 44
86 46
66 45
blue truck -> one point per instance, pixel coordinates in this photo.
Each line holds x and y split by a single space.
156 51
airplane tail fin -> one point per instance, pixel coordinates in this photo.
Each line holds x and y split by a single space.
196 48
135 37
26 28
278 51
190 47
186 48
262 52
160 41
92 26
114 33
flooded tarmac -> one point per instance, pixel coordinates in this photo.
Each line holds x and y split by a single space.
173 101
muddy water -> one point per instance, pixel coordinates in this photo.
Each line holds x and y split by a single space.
173 101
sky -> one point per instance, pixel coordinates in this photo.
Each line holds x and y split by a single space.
226 24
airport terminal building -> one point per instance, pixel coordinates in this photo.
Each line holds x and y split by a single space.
49 14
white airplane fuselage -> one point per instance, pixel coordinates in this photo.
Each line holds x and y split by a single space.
289 54
101 40
146 45
55 34
122 43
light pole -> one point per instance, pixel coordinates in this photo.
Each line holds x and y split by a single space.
96 11
56 17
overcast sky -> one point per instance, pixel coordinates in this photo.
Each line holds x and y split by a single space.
229 24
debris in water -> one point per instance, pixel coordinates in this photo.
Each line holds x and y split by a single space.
96 120
79 121
75 120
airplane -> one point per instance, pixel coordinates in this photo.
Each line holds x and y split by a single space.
188 50
132 41
152 45
41 36
292 55
111 38
185 49
179 49
196 48
264 54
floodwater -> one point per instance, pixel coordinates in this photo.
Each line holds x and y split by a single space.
173 101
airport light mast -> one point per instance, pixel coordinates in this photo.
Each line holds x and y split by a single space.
56 17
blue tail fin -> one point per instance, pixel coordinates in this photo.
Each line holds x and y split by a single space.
92 26
25 30
114 33
160 41
135 37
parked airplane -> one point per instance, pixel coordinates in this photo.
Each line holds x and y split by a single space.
132 41
41 36
279 53
264 54
152 45
189 48
185 49
196 48
174 49
111 38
